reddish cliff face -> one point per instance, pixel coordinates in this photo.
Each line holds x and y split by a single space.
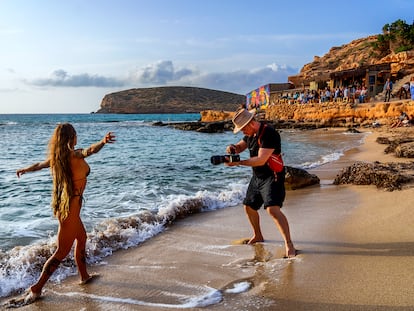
337 114
213 115
169 100
327 114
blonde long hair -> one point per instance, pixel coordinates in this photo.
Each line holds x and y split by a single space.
60 146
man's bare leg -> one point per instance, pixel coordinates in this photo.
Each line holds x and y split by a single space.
254 220
283 226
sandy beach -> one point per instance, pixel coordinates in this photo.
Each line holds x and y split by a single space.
356 253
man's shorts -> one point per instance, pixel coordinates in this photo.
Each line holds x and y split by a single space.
267 192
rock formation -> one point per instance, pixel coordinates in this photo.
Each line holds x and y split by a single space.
401 145
203 127
405 150
341 114
325 114
388 176
297 178
174 99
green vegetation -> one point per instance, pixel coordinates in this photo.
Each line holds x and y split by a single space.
396 37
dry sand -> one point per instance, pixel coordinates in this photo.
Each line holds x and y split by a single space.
357 253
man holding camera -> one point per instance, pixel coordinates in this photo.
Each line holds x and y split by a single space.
266 187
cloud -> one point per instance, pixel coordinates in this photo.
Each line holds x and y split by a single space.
161 72
62 79
164 73
240 81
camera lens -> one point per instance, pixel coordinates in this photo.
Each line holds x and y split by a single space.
217 160
221 159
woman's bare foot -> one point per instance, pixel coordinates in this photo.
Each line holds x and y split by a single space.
26 299
89 279
31 297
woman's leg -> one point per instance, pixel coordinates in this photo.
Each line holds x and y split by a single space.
64 244
80 253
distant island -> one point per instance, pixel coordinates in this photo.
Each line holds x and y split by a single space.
170 99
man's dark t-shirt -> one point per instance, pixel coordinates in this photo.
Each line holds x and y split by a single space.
270 139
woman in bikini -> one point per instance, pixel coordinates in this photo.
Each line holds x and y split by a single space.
69 171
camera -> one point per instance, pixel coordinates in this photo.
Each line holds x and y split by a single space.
218 159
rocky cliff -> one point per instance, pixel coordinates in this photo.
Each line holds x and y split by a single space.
326 114
177 99
341 114
357 53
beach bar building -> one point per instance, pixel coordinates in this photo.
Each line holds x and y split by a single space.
372 77
260 98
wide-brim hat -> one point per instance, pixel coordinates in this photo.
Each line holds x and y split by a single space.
241 119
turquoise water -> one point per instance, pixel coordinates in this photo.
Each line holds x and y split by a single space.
138 185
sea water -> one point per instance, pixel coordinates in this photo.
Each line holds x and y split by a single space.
138 185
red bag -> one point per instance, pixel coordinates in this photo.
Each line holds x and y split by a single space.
275 161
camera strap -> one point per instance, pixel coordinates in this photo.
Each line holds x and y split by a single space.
261 134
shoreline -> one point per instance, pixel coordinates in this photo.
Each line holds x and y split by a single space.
355 246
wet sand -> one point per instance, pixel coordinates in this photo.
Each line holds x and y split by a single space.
356 253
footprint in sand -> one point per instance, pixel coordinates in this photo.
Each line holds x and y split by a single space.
241 241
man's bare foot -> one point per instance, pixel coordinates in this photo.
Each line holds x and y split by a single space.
290 250
89 279
255 240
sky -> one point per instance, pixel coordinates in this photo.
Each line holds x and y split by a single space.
64 56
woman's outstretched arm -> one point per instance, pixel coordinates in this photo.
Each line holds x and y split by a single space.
33 168
95 148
